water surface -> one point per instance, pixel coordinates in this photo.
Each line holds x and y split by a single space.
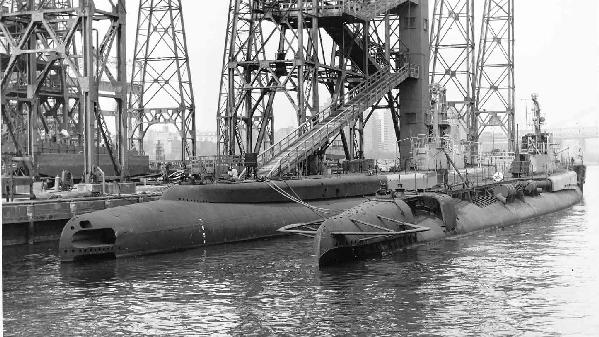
539 278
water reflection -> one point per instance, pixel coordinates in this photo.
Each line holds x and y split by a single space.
538 278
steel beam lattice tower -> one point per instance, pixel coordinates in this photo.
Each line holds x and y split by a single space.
495 97
453 59
306 57
161 88
60 61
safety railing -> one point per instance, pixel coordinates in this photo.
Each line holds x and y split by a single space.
363 9
359 99
268 154
291 6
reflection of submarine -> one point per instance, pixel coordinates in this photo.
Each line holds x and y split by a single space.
198 215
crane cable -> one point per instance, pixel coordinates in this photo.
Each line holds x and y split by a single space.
322 212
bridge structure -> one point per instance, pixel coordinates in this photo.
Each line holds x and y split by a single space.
579 135
161 75
453 60
576 133
495 73
62 60
330 63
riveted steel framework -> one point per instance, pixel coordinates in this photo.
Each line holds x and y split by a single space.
495 99
161 88
453 58
309 53
59 60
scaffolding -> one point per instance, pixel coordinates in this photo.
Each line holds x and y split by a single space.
161 88
453 60
306 56
60 61
495 97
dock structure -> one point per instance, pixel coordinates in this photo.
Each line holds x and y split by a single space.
495 83
61 61
33 221
332 62
364 55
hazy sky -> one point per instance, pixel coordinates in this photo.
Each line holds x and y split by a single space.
557 56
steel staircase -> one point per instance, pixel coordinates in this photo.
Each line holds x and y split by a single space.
316 132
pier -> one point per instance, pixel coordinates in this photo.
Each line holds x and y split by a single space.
35 221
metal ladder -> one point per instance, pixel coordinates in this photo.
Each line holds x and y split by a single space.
316 132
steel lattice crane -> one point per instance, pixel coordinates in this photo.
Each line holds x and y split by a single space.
161 87
495 86
479 86
453 64
60 60
303 51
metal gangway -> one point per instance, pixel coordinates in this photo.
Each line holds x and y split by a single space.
317 131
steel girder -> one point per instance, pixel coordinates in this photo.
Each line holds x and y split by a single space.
495 99
161 86
287 55
453 60
56 71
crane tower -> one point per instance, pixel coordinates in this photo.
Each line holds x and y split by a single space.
495 99
329 63
62 60
453 63
161 88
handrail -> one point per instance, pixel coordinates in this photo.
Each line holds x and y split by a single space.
303 128
359 99
362 9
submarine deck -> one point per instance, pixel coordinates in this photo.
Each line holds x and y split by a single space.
33 221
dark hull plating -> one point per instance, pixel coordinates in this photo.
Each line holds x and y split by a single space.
164 225
198 215
331 249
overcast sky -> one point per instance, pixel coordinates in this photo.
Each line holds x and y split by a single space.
557 56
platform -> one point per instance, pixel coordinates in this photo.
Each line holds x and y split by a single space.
33 221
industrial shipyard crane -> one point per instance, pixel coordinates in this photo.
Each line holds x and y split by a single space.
362 54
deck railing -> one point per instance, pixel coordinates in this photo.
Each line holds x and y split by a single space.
298 146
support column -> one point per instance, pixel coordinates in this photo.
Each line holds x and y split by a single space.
249 113
352 141
301 63
414 93
87 100
315 39
32 96
394 118
122 117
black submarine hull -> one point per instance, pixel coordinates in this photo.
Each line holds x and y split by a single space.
200 215
437 215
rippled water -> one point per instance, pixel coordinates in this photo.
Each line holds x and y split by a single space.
540 278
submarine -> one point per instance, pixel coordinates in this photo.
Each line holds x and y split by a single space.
391 222
350 216
396 220
189 216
